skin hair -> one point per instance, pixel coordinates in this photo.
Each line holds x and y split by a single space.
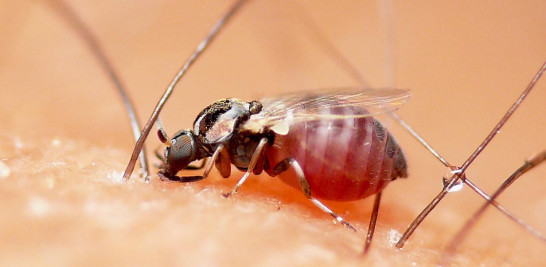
65 140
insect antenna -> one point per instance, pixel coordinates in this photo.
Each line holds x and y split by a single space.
460 236
162 134
159 106
91 41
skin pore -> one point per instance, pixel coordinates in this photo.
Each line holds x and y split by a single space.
65 137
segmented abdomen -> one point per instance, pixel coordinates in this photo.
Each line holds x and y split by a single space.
342 159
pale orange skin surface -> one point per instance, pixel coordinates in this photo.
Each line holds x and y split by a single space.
64 133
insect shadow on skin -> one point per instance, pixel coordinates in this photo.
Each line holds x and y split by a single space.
218 152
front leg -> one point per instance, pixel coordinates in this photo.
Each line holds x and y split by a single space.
184 179
257 157
220 152
222 162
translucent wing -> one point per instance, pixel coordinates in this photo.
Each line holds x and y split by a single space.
329 104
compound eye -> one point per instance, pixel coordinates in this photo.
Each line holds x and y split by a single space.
181 152
182 147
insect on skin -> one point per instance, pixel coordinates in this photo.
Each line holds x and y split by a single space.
276 135
198 147
325 144
110 43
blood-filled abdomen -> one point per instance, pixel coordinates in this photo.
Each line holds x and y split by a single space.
343 159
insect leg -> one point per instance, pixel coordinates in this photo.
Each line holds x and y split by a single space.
185 179
305 188
350 69
222 162
159 156
257 156
220 151
373 220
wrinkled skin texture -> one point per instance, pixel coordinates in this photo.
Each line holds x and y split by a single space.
65 139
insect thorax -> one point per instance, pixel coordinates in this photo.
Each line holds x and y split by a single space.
220 122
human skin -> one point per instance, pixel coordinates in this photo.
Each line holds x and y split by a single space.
65 137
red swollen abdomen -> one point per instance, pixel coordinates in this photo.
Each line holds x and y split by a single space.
342 159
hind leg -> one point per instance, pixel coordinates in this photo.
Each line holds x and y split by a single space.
290 162
373 220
